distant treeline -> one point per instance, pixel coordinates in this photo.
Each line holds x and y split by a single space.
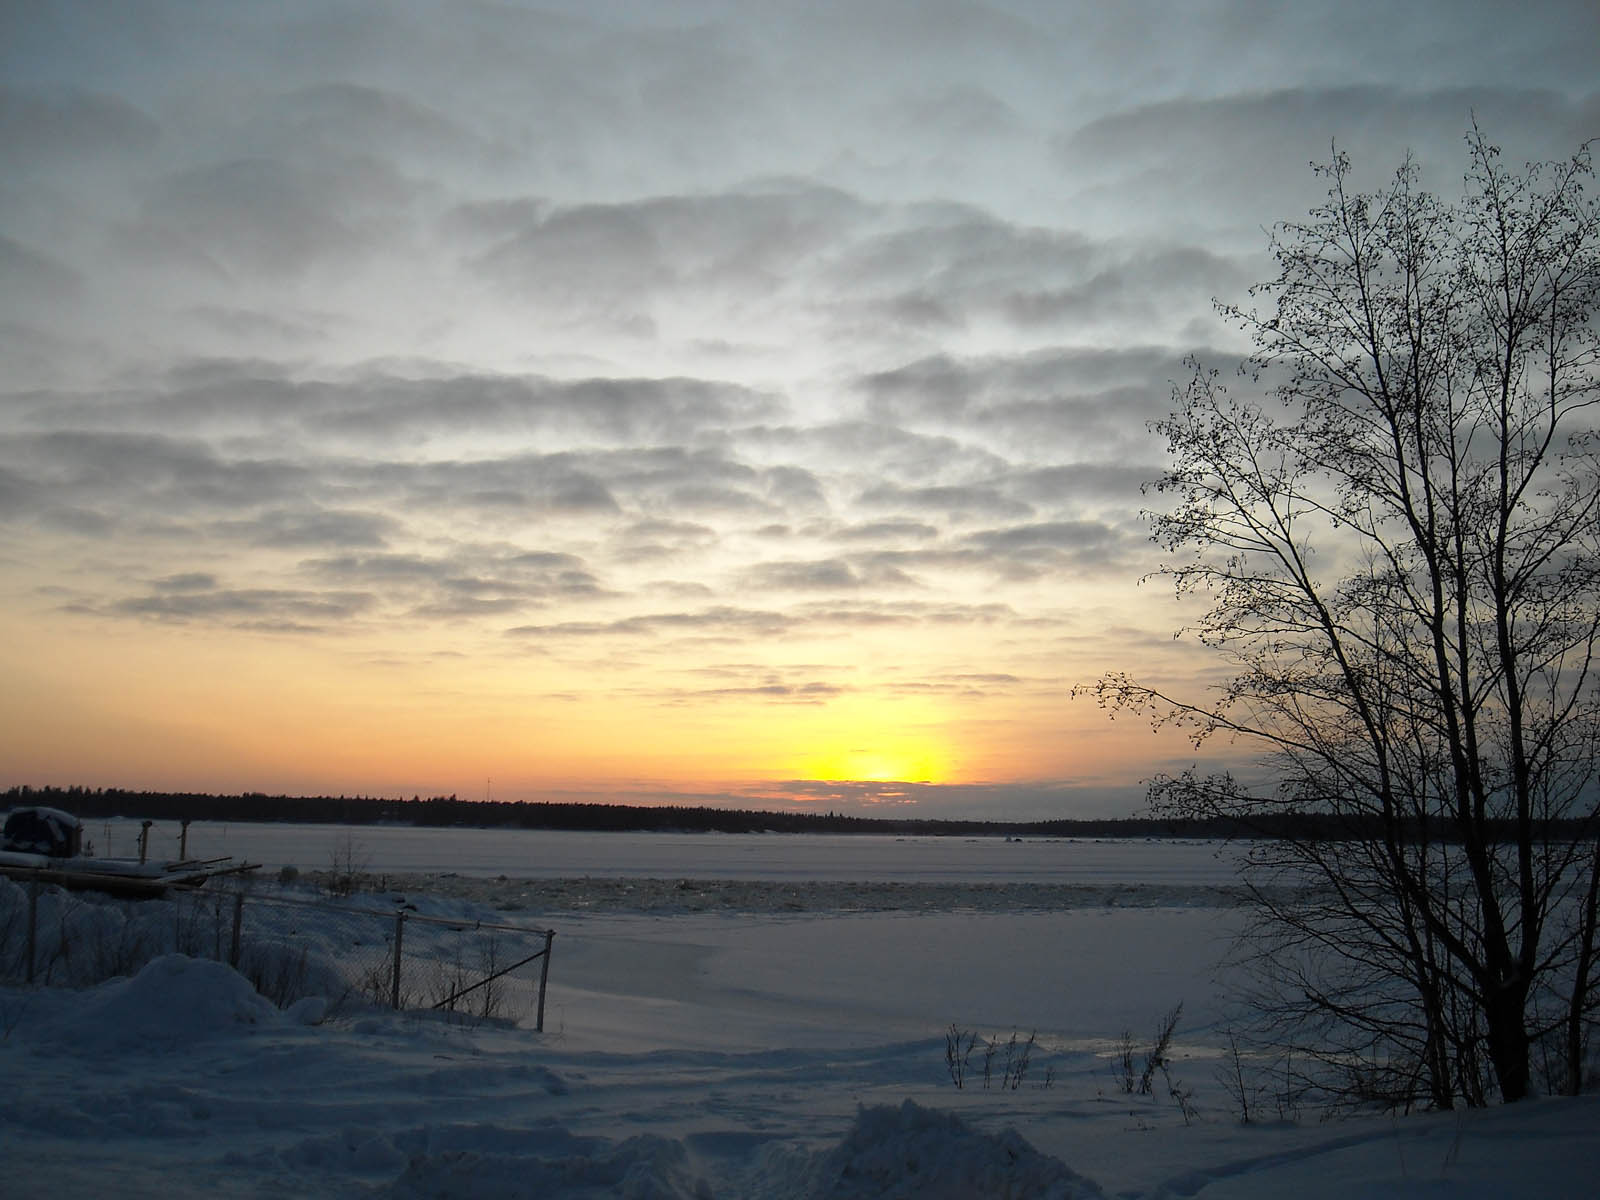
92 803
443 811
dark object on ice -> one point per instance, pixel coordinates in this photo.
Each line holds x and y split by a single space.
45 845
47 831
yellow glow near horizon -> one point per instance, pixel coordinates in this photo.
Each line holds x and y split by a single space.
868 764
877 741
174 706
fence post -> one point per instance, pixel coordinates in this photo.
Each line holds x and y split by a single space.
544 975
238 920
399 933
33 923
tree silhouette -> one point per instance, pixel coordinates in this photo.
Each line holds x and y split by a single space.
1397 530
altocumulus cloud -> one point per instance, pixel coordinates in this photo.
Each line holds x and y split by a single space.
636 341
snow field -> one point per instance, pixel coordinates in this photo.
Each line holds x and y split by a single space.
775 1052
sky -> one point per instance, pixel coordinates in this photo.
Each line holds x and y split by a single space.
730 403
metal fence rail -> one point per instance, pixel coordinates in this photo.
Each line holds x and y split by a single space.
288 947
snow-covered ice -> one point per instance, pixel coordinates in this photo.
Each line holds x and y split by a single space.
779 1038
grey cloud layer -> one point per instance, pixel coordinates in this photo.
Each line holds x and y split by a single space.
242 399
572 328
1239 153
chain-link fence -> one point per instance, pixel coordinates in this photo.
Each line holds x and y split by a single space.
288 947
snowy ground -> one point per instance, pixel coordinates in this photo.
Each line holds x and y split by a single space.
753 1039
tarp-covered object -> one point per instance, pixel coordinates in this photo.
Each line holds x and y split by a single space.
46 831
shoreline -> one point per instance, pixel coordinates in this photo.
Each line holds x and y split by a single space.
634 895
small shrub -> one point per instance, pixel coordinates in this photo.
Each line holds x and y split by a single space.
1290 1093
1182 1096
1018 1056
958 1047
448 980
346 865
280 973
1122 1067
1014 1055
376 983
1231 1074
1155 1058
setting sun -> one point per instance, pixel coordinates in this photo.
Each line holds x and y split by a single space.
881 761
767 419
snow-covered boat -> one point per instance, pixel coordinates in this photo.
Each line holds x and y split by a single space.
46 844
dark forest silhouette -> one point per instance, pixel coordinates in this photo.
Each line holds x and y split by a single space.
445 811
448 811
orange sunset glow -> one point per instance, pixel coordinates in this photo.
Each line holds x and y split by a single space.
721 407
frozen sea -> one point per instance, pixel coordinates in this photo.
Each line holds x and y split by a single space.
758 1016
554 854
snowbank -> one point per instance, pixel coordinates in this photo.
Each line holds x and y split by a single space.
917 1153
173 1001
707 1055
554 1163
907 1152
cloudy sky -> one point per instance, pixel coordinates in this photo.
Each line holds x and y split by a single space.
730 402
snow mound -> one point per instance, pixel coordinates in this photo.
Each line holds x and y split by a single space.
916 1153
173 999
308 1010
641 1168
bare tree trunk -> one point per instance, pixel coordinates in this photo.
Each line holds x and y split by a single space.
1579 1002
1434 707
1505 1015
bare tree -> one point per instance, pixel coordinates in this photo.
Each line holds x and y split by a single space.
1399 539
